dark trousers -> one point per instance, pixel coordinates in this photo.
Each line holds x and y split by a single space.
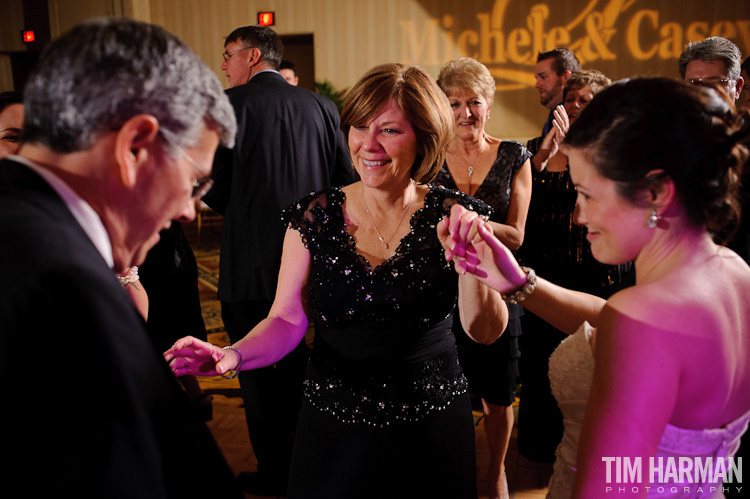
272 395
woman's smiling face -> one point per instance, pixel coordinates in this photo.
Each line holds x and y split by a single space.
616 229
469 113
385 148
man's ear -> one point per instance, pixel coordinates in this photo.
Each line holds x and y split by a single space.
738 87
134 144
565 75
255 56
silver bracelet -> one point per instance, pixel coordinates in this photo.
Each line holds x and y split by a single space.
232 373
525 290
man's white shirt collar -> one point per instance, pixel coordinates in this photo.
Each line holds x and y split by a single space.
81 210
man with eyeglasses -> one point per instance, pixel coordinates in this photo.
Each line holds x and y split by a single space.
288 145
122 122
713 60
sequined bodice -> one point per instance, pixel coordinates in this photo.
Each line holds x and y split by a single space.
383 347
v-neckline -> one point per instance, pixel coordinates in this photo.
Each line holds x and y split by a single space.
484 179
353 243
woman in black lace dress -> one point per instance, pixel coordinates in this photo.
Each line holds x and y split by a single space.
386 411
499 173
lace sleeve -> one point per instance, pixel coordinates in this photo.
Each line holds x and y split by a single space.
309 215
451 197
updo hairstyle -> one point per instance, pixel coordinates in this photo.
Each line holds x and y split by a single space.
693 134
419 98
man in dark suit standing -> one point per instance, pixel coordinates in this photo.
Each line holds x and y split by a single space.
288 145
122 121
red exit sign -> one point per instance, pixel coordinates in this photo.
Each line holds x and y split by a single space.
266 18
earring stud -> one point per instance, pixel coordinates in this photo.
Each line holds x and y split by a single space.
653 219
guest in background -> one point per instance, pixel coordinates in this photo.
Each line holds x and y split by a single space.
499 173
169 276
744 101
578 91
11 122
386 411
714 60
288 145
558 248
665 370
552 69
289 72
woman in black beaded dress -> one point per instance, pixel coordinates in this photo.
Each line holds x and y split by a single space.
499 173
558 248
386 411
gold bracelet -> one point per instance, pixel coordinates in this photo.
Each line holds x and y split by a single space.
232 373
525 290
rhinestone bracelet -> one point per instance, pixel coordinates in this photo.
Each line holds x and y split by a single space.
524 291
129 277
232 373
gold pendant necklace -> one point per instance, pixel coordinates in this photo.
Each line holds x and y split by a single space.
380 236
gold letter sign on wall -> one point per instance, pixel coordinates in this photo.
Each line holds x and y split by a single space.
621 38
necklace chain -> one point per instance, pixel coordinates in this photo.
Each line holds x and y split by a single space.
470 165
380 236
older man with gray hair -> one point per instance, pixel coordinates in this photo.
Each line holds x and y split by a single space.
122 122
713 60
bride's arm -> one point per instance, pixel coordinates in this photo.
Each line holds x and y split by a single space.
565 309
492 263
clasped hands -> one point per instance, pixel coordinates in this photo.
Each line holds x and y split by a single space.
191 356
470 244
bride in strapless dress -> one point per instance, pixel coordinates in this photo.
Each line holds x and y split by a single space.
662 369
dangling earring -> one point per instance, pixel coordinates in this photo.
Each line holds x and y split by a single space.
653 219
488 116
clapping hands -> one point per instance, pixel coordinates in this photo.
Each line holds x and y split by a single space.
551 142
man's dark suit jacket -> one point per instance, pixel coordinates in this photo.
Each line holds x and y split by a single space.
90 408
288 145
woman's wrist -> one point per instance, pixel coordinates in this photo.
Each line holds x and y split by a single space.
232 373
526 286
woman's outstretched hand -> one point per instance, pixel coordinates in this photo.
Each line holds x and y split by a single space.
190 355
473 248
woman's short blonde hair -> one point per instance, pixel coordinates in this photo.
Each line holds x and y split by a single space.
469 74
419 98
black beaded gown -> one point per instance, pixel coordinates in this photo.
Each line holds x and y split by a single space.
386 410
492 370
